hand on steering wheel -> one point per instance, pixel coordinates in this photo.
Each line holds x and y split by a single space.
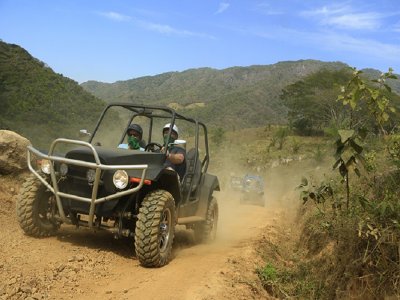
153 147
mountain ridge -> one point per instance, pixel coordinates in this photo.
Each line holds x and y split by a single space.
251 92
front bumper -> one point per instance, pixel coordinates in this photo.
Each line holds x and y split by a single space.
53 186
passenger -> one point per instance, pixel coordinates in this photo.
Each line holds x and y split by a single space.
176 156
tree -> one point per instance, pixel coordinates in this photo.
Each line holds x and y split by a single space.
219 136
311 102
357 94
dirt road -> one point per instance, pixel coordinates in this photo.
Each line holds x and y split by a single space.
81 264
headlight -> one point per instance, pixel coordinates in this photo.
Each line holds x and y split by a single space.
45 166
120 179
90 175
63 169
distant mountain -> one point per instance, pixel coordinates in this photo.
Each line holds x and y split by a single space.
38 103
237 96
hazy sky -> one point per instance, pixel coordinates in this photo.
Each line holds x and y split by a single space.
111 40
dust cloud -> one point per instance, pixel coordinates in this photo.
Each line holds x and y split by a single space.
241 222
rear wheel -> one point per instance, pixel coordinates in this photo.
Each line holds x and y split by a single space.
207 231
155 229
35 209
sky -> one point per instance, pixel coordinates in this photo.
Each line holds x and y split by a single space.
113 40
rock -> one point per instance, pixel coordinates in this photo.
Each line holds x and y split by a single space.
26 289
60 267
37 296
12 152
80 257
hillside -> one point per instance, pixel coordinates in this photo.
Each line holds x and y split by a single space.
237 97
38 103
251 93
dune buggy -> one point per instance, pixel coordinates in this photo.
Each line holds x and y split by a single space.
252 191
130 193
236 183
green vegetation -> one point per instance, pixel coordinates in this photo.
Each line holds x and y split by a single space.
350 241
218 136
38 103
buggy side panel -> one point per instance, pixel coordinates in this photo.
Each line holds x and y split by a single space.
169 181
207 187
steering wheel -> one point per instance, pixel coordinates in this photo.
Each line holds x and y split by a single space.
153 147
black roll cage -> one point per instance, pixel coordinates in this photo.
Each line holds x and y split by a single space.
154 111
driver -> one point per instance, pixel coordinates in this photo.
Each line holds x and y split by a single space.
175 155
134 134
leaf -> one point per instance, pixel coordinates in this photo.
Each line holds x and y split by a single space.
351 162
345 134
340 98
343 170
355 146
337 163
383 208
353 101
361 159
390 205
339 143
374 94
385 117
357 171
304 183
364 202
362 133
304 196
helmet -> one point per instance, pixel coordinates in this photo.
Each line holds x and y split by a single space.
174 128
137 128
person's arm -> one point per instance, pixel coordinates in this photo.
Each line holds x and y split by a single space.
176 158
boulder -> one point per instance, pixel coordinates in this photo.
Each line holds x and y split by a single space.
12 152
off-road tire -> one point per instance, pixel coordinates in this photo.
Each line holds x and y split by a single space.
32 208
155 229
206 232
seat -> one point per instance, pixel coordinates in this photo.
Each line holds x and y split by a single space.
193 171
142 143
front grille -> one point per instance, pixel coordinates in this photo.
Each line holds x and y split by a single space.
77 172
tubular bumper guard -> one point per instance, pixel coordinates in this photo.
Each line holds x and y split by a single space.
97 165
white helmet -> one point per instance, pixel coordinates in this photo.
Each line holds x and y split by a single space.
174 128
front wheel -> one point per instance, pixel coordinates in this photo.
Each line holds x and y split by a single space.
155 229
206 231
36 208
